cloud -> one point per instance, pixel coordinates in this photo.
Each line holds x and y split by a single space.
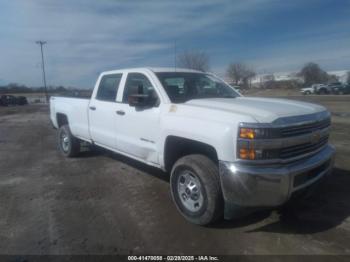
87 37
330 52
326 44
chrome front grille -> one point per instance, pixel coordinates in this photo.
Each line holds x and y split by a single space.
301 149
287 139
296 130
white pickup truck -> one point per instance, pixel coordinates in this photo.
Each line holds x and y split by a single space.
224 152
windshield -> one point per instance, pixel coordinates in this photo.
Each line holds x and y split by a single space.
182 86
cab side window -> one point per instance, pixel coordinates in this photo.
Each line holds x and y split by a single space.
108 88
138 84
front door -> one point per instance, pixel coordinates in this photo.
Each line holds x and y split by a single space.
138 128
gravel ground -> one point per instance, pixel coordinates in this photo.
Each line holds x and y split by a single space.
103 203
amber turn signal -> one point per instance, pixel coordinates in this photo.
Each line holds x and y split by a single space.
247 133
247 153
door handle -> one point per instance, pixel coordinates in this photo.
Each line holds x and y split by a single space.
120 112
92 108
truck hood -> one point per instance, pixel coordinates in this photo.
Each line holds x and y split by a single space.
264 110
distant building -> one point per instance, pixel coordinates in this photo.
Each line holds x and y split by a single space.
293 76
342 75
281 76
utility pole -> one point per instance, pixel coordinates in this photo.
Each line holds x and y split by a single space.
41 43
175 55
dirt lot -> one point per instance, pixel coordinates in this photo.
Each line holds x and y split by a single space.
102 203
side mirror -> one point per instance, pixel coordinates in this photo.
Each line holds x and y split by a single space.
140 100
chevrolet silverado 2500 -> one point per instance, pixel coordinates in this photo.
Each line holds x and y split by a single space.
224 152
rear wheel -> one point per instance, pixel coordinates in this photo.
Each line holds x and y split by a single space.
323 91
67 143
196 190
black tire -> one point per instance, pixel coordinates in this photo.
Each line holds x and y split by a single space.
323 91
307 93
67 143
206 173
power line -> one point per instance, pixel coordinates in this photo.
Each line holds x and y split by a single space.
41 43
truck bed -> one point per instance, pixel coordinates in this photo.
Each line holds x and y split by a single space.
77 111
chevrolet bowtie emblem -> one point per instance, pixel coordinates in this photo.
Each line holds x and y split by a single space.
315 137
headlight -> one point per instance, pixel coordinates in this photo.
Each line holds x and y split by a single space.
246 150
247 133
258 133
245 143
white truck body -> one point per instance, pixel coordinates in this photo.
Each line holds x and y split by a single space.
142 134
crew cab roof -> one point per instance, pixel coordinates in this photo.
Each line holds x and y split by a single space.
172 69
153 69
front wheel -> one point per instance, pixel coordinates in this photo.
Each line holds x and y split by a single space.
196 190
67 143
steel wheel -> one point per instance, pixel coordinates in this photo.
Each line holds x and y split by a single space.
65 143
190 191
195 189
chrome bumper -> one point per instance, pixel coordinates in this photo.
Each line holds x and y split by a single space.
268 186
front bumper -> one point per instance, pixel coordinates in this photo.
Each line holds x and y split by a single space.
269 186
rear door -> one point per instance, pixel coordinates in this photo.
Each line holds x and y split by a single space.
102 111
138 128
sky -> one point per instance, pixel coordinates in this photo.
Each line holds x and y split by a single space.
87 37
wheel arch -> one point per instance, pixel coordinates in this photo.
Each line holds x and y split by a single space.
176 147
62 119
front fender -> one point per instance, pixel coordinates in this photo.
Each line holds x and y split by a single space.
214 134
